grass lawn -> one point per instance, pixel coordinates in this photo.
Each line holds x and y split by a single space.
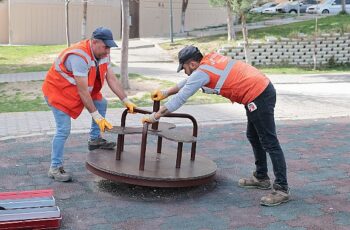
27 96
14 59
337 23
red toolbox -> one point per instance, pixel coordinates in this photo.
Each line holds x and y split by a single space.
29 210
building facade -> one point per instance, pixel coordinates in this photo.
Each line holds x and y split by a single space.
43 22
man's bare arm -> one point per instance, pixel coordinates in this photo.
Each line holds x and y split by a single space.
115 84
161 112
83 90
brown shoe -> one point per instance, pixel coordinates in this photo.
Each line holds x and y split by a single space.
59 174
254 182
276 197
101 143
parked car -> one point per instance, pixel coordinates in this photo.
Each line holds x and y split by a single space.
270 10
292 7
262 7
328 7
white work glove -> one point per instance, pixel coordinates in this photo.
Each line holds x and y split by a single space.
149 118
101 121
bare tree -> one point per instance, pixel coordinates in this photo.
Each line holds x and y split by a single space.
240 8
134 11
124 75
315 43
343 9
67 21
183 14
231 35
83 23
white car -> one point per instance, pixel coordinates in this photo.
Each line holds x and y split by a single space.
328 7
269 10
262 7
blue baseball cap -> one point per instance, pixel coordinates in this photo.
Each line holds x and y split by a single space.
186 54
105 35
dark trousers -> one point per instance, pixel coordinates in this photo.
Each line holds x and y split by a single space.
261 133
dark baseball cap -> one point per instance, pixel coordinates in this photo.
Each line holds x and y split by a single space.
186 54
105 35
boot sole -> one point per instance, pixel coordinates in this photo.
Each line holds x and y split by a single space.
107 147
253 187
275 204
52 177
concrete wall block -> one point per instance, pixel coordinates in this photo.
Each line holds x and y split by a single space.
310 46
259 50
332 45
293 43
288 46
254 46
282 43
343 38
304 42
340 41
328 42
298 46
343 59
328 56
327 49
322 45
343 52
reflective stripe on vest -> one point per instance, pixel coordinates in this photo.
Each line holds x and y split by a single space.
223 74
71 80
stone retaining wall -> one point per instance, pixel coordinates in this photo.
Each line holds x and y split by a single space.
330 48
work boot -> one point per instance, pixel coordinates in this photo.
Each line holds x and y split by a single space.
254 182
276 197
58 173
100 143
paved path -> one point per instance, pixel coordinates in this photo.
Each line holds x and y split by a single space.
299 97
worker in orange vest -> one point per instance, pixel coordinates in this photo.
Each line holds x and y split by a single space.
244 84
73 82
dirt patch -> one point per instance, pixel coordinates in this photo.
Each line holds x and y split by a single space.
32 89
28 90
41 59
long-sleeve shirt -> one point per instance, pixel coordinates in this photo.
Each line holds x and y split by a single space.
187 87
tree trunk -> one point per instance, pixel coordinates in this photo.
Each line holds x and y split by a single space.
67 21
83 24
124 75
315 45
231 35
343 9
135 18
245 38
183 14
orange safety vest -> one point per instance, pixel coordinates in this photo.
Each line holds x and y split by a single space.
60 87
235 80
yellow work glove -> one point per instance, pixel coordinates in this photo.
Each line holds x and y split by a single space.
158 95
149 118
129 105
101 121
